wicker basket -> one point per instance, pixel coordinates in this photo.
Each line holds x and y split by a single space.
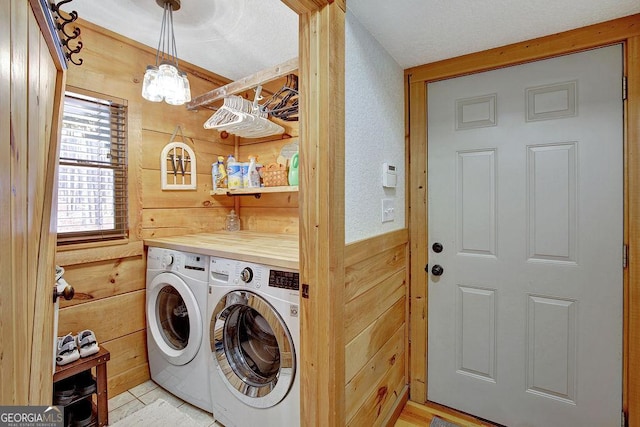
274 175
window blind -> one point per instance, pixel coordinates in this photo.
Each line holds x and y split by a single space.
92 174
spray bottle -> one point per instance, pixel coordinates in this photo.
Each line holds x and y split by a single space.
219 173
253 180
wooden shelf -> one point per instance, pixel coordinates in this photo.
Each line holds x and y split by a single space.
254 191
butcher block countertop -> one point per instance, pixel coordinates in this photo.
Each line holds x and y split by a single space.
278 250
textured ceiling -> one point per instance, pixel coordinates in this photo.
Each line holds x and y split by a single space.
235 38
417 32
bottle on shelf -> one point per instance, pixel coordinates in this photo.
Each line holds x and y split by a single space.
219 174
234 173
253 177
293 170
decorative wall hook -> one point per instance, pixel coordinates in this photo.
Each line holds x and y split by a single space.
63 19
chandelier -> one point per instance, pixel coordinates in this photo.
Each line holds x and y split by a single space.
165 81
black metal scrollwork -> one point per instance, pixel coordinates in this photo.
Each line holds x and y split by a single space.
62 20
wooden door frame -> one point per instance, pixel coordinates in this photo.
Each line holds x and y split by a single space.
321 205
624 30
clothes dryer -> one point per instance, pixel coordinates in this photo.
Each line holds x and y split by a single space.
254 341
176 306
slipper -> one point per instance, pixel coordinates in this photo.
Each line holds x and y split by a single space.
67 351
86 342
64 391
81 414
85 384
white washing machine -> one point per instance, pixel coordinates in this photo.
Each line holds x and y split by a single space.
177 290
254 335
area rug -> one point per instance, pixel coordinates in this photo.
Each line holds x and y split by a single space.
439 422
158 413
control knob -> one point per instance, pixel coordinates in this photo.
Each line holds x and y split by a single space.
246 275
167 260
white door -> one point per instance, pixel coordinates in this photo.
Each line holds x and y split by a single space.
525 197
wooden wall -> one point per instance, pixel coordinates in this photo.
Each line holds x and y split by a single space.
275 212
110 279
375 327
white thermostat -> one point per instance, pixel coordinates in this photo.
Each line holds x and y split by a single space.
389 176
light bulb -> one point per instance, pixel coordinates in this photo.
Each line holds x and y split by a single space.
171 84
150 89
186 87
174 94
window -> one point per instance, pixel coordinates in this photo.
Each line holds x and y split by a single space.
92 173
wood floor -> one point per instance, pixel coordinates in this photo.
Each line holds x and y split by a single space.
415 414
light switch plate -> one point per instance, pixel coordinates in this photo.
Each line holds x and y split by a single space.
388 210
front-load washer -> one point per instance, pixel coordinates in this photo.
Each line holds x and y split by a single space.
177 290
254 334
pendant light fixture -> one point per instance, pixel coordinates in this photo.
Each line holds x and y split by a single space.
165 81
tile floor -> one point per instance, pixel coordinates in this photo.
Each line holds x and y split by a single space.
148 392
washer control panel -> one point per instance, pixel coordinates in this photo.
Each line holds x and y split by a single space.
192 265
284 279
228 272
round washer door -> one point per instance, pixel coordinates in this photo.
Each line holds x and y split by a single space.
174 319
254 349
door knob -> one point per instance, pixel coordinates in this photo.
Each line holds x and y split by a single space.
67 290
67 293
437 270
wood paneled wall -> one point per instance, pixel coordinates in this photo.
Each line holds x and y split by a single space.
275 212
110 279
375 327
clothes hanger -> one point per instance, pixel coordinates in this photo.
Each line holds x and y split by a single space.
284 103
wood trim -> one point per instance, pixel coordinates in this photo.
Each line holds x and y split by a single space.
52 40
6 262
321 78
41 365
322 216
400 403
84 256
597 35
625 30
417 185
632 291
17 298
415 414
358 251
307 6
